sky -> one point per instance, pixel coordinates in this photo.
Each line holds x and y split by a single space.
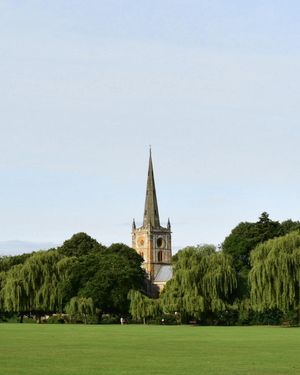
87 86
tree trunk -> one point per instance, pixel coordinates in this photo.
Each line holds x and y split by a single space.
21 318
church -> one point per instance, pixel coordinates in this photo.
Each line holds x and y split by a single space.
151 240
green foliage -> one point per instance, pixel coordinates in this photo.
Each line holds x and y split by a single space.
246 236
239 244
209 285
107 277
80 308
13 293
110 319
288 226
80 244
36 285
46 281
275 276
7 262
243 313
143 307
203 281
204 248
130 255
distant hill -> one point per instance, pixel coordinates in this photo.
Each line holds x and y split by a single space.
19 247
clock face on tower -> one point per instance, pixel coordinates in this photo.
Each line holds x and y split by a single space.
141 241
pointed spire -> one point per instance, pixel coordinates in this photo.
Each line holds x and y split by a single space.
151 215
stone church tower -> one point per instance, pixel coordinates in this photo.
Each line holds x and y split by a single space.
151 240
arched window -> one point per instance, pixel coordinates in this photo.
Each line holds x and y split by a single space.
160 256
160 242
142 254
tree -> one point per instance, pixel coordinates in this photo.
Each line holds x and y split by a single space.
36 286
288 226
80 244
143 307
127 253
80 308
8 261
275 276
41 278
246 236
107 276
13 294
203 281
65 267
2 280
46 281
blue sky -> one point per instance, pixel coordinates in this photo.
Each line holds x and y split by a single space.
86 86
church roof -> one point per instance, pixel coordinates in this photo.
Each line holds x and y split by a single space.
151 215
164 274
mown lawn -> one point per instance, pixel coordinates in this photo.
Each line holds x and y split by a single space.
114 349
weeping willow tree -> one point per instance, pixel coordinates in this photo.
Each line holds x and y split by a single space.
142 307
203 280
36 286
64 268
13 294
42 277
275 274
80 308
2 280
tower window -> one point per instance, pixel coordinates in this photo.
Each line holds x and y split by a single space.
160 256
160 242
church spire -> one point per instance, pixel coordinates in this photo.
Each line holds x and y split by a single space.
151 216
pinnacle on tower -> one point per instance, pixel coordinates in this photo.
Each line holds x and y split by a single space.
151 215
133 225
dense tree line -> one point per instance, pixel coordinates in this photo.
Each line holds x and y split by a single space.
82 277
253 279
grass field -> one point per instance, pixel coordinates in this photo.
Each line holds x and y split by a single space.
113 349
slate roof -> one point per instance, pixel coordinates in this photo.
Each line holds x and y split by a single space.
164 274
